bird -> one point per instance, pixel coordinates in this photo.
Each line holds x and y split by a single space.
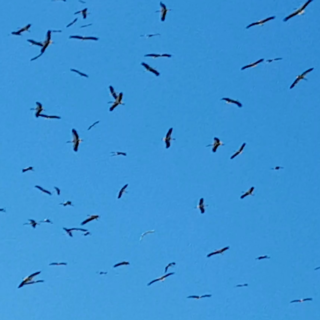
145 233
248 193
163 11
86 25
45 221
76 141
200 297
251 65
91 218
43 190
260 23
171 264
38 109
58 264
150 69
49 116
2 210
84 38
36 43
168 138
103 272
262 257
121 192
217 251
201 205
117 97
71 23
156 55
29 279
228 100
18 33
84 12
80 73
58 190
301 300
300 77
69 230
95 123
67 203
275 59
277 168
298 12
241 285
124 263
239 151
27 169
150 35
45 45
118 153
215 145
161 278
32 222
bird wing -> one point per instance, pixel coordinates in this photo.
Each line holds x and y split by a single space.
244 195
71 23
305 5
76 37
194 297
206 296
268 19
306 72
153 281
87 220
34 274
75 134
234 155
224 249
93 125
153 55
163 15
292 15
212 253
113 92
295 83
124 263
168 135
43 190
37 43
79 72
294 301
167 275
90 38
252 24
242 147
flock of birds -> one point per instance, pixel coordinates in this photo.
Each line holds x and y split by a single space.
118 100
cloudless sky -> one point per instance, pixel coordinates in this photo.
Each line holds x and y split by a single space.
209 44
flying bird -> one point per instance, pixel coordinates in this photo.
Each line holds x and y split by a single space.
168 138
71 23
84 38
43 190
49 116
260 23
76 141
251 65
84 12
145 233
32 222
217 251
228 100
95 123
150 69
171 264
27 169
201 205
300 77
163 11
80 73
215 145
18 33
91 218
38 109
156 55
241 285
46 221
277 168
45 45
29 279
118 153
58 264
301 300
161 278
263 257
200 297
150 35
248 193
58 190
69 231
122 191
275 59
124 263
36 43
67 203
239 151
117 97
297 12
86 25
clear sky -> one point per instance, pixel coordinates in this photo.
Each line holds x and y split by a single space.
209 44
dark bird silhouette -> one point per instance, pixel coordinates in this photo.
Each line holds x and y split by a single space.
45 221
263 257
161 278
163 11
95 123
251 65
277 168
241 285
80 73
301 300
71 23
239 151
118 153
38 109
91 218
275 59
43 190
86 25
58 191
124 263
201 205
168 138
117 97
32 222
2 210
27 169
248 193
36 43
84 38
69 230
49 116
150 35
67 203
200 297
84 13
171 264
150 69
18 33
300 77
58 264
156 55
260 23
298 12
76 141
29 279
45 45
122 191
215 145
228 100
217 251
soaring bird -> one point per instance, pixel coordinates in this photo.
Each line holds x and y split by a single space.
169 265
239 151
84 38
300 77
275 59
241 285
45 221
76 141
118 153
297 12
80 73
215 145
91 218
228 100
277 168
86 25
201 205
45 45
248 193
69 230
29 279
27 169
217 251
95 123
58 264
43 190
260 23
122 191
200 297
71 23
150 69
263 257
301 300
161 278
163 11
117 97
251 65
32 222
38 109
168 138
18 33
145 233
84 12
124 263
157 55
67 203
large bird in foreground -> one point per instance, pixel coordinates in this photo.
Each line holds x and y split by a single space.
260 22
301 76
298 12
29 279
217 252
161 278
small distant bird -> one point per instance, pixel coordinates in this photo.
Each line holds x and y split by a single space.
29 279
45 45
84 38
145 233
117 97
275 59
122 191
150 69
239 151
124 263
201 205
80 73
84 13
43 190
161 278
2 210
71 23
301 300
300 77
150 35
163 11
58 190
260 23
156 55
86 25
36 43
251 65
46 221
297 12
27 169
32 222
91 218
67 203
76 141
118 153
38 109
103 272
171 264
200 297
95 123
217 251
215 145
263 257
18 33
69 231
228 100
277 168
248 193
168 138
242 285
58 264
49 117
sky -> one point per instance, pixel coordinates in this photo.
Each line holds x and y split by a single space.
209 44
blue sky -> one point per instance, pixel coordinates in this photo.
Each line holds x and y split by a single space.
209 44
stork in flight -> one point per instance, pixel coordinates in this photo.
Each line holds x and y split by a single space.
218 252
76 140
301 76
260 22
117 97
215 145
161 278
163 11
29 279
248 193
20 31
298 12
168 138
